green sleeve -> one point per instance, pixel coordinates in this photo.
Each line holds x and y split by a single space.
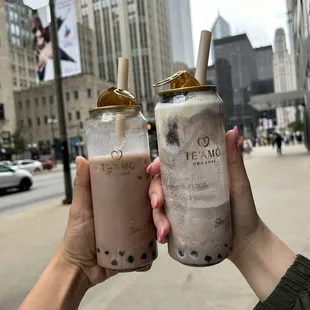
293 291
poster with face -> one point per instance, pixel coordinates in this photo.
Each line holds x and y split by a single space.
68 39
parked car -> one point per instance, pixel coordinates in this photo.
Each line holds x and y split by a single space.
14 178
6 162
28 164
47 163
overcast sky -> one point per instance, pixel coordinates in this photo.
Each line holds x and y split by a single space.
258 18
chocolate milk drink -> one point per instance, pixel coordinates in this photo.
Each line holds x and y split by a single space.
118 149
191 141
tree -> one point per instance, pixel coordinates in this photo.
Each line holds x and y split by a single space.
296 126
19 141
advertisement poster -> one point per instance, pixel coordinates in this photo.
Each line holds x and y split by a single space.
68 40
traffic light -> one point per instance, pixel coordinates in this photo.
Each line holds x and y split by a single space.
151 128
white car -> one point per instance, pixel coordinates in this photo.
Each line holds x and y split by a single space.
28 164
14 178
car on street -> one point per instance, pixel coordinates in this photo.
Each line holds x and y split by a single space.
14 178
6 162
47 163
28 164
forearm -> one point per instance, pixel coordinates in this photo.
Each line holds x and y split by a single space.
264 262
61 286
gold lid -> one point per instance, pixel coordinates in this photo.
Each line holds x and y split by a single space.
191 88
115 97
180 79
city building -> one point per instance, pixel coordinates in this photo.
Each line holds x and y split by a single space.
36 112
181 31
138 30
299 26
23 67
264 61
220 29
283 65
223 80
18 24
235 54
211 75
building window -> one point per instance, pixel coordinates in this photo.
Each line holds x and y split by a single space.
69 116
89 93
29 122
14 81
2 114
38 121
21 123
44 101
27 103
45 120
68 96
20 105
78 115
36 102
51 99
76 95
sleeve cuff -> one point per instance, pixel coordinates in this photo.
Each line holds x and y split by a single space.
292 285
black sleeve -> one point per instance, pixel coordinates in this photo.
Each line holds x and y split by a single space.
293 291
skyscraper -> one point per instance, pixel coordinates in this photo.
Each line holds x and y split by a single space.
138 30
283 65
181 31
235 54
264 60
220 29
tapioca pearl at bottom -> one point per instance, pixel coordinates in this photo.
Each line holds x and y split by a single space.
130 259
98 250
181 253
194 254
121 252
114 262
220 256
208 258
154 254
151 244
106 252
144 256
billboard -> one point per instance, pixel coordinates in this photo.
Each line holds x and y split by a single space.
68 39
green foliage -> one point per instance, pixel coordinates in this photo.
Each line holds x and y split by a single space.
296 126
19 141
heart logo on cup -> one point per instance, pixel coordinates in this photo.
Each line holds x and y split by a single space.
117 155
204 141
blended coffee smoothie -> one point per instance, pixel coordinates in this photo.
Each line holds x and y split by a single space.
124 228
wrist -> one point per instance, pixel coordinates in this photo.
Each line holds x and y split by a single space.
264 261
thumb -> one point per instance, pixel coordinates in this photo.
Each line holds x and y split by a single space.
238 179
82 192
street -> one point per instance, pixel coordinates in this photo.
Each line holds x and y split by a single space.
46 186
32 225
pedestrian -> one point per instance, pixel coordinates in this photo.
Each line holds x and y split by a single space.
278 141
279 277
292 138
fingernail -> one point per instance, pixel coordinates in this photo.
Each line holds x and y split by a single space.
161 231
154 201
77 163
159 238
148 169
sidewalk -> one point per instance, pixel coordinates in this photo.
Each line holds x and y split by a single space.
281 189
